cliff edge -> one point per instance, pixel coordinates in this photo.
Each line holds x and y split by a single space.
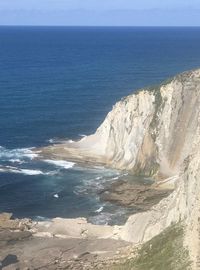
153 132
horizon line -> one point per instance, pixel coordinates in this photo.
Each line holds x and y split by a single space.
121 26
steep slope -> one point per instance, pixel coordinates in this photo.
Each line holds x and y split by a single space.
147 132
151 129
153 132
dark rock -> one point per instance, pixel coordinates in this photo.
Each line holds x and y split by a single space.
141 197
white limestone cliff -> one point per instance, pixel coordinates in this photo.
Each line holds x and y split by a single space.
153 132
147 132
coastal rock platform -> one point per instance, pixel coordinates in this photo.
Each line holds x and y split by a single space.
21 247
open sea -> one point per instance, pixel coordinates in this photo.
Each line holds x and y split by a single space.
58 83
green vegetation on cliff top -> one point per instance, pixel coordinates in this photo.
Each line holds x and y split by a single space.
163 252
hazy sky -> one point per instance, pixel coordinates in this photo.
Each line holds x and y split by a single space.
100 12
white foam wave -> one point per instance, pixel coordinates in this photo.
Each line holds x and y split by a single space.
16 160
56 196
82 135
98 183
51 141
99 177
105 218
115 178
29 153
60 163
70 141
51 173
10 169
58 141
30 172
40 218
17 154
99 210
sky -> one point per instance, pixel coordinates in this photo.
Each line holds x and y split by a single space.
100 12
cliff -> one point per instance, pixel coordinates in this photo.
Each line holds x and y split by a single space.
147 132
153 132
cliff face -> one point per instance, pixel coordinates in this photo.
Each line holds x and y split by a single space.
126 136
152 130
158 132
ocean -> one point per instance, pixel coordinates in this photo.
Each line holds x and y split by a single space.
58 83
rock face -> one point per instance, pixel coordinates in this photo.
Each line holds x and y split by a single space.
153 132
147 132
138 196
75 228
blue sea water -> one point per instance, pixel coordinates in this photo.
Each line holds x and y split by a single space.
59 83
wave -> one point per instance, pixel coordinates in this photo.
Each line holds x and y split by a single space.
110 217
56 141
98 182
115 178
82 135
53 141
98 178
11 169
51 173
99 210
89 186
70 141
60 163
30 172
17 154
16 160
40 218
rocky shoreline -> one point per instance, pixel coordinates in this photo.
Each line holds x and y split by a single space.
154 132
140 197
25 244
73 243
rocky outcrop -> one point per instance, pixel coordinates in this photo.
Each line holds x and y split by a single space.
57 244
137 196
74 228
153 132
7 223
147 132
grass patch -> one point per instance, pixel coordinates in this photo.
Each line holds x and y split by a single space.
163 252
